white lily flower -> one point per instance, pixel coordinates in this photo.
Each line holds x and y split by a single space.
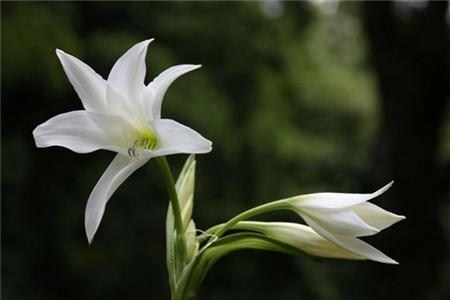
123 115
300 236
341 218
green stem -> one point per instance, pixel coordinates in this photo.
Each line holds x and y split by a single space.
219 230
173 196
215 232
180 241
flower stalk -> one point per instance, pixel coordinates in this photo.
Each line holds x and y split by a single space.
217 231
171 191
180 240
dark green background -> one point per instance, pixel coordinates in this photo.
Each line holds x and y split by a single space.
295 97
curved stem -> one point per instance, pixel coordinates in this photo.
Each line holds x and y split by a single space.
219 230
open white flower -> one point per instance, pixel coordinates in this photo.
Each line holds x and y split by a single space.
341 218
123 115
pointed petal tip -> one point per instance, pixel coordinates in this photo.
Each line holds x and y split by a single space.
65 58
390 184
387 186
90 225
89 233
194 67
189 67
397 218
208 148
382 190
90 239
144 44
389 261
384 259
60 53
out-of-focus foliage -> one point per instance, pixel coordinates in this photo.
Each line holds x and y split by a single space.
286 96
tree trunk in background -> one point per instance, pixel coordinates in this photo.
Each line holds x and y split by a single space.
410 55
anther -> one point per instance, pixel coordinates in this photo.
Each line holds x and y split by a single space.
132 149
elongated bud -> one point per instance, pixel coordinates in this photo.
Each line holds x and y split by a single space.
302 237
185 190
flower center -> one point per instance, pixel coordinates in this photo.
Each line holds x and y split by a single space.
146 141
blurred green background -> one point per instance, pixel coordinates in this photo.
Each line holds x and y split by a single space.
297 97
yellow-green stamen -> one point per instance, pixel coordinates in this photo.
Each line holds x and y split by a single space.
146 140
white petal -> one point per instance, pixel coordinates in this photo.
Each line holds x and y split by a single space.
84 132
303 238
339 222
120 169
90 87
177 138
156 90
327 201
352 244
128 73
375 216
362 248
119 105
